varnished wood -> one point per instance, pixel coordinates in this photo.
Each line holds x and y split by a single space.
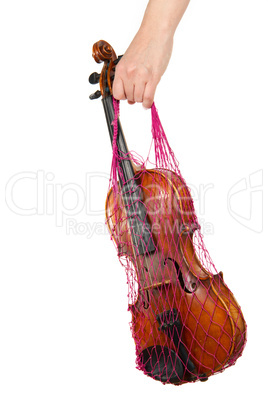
215 317
103 52
214 329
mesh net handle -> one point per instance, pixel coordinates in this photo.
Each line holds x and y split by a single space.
186 323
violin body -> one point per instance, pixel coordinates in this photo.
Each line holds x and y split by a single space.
186 323
212 322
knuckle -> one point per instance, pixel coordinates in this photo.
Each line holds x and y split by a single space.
119 96
148 98
119 68
118 93
147 101
131 70
135 71
143 73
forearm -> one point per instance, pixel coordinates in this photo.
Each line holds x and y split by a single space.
163 16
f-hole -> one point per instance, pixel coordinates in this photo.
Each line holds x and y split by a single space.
184 286
146 301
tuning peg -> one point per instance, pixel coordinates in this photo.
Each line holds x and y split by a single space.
96 95
118 59
94 78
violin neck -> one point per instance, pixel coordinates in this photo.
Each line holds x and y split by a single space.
130 190
125 163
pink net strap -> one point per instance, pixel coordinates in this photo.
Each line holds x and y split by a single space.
115 158
163 152
185 321
165 158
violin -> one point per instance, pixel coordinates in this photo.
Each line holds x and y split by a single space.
186 323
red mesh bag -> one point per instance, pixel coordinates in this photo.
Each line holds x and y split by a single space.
186 323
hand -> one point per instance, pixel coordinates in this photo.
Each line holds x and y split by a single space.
141 68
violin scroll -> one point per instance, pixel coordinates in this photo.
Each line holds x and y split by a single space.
103 52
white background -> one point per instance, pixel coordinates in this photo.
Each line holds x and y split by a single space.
63 295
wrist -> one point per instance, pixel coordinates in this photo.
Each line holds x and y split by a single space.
157 32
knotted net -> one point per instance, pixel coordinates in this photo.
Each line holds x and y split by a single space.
185 322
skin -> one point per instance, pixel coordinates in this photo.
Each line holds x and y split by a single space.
146 59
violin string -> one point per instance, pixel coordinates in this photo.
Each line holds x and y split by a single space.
115 126
132 201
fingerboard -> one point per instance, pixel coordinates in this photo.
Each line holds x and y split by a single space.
131 191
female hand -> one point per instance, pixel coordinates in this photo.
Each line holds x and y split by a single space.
145 61
141 68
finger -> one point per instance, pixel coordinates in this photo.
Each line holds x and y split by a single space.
118 89
139 91
129 90
148 96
